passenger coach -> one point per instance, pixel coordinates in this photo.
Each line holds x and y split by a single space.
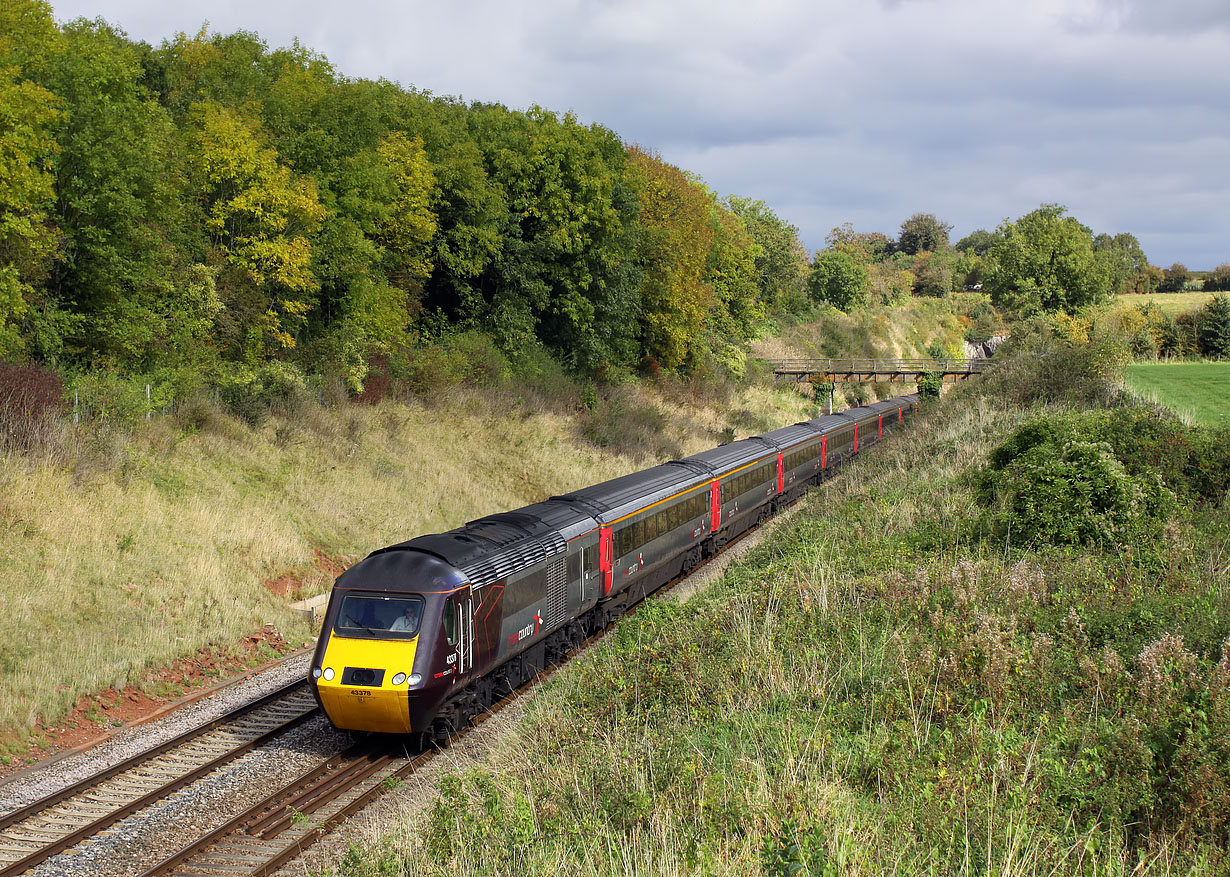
420 637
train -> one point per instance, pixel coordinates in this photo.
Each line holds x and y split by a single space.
421 637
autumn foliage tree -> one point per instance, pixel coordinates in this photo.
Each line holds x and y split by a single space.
258 215
675 241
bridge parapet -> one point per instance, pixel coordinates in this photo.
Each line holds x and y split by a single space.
874 370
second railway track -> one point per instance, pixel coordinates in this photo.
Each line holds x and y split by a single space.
54 824
258 831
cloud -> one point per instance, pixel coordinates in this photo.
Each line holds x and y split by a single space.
975 110
1182 17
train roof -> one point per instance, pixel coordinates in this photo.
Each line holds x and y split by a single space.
789 436
828 422
620 496
859 414
886 405
488 548
730 456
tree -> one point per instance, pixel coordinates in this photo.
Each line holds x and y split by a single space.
1219 280
258 215
923 232
1174 278
1215 327
933 273
28 149
408 229
676 240
731 270
866 247
978 242
120 201
781 260
839 279
1045 261
1126 264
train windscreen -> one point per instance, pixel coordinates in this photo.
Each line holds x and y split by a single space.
379 617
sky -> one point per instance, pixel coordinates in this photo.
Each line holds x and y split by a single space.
861 111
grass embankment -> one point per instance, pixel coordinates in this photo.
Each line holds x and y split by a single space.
1198 390
896 685
918 327
124 549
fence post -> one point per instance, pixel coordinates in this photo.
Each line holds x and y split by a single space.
148 410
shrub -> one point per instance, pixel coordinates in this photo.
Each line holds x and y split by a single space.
1037 366
1215 327
1079 494
253 393
116 398
30 399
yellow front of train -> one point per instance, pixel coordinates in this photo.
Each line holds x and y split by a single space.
383 619
363 682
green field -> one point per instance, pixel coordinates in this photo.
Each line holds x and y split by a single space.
1172 303
1199 390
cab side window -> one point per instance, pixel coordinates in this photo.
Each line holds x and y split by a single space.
450 621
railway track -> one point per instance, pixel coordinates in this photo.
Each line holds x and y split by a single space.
277 829
271 832
60 821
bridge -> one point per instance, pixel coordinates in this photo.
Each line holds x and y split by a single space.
841 371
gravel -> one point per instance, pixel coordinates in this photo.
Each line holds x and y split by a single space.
127 742
132 845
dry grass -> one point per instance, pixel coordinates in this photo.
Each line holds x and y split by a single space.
122 551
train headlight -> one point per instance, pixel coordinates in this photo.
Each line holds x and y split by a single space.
399 678
315 672
415 678
328 674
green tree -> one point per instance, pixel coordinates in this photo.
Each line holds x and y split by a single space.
1174 279
731 270
922 232
674 248
561 275
867 247
978 242
120 201
28 114
1045 261
1129 269
933 273
410 225
1219 280
1215 327
781 260
839 279
258 216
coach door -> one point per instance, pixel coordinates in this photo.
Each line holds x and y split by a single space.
463 608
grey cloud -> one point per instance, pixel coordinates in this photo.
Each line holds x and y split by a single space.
1154 17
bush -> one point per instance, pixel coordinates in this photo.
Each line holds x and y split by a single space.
1215 328
466 359
1075 494
1035 366
30 399
115 398
1102 477
930 385
253 394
